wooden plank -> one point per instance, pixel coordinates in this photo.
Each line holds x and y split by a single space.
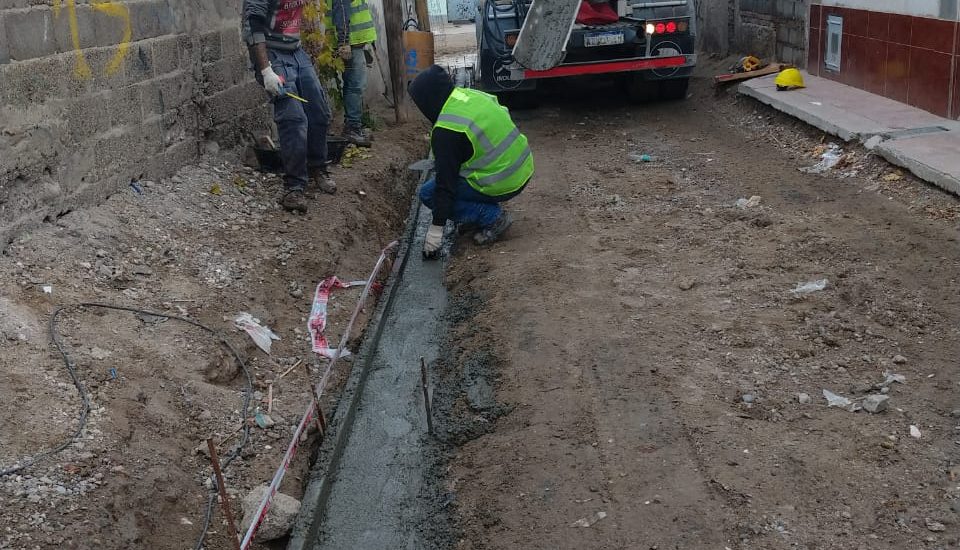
736 77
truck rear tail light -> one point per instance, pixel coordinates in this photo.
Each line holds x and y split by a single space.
667 27
511 39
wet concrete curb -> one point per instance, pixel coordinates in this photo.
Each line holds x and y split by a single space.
323 473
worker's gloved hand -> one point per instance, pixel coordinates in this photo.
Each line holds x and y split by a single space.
345 52
433 241
272 82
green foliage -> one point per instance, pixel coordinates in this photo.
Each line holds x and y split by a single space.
321 44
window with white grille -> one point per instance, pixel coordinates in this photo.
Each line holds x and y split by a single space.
834 39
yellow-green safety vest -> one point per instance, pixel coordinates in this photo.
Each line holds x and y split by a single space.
502 161
362 28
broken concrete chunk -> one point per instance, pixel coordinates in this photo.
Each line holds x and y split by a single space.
876 403
279 521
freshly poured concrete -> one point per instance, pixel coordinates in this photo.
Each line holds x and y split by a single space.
378 497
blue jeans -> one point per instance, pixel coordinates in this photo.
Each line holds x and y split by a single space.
354 83
302 126
469 205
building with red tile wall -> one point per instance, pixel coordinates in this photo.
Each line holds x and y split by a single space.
907 50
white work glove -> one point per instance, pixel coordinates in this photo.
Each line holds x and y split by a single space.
431 244
345 52
272 82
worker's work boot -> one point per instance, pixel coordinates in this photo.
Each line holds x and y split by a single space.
323 180
294 201
495 230
356 136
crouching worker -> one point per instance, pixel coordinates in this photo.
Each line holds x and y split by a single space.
481 159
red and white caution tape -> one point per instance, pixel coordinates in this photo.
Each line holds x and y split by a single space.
318 314
317 323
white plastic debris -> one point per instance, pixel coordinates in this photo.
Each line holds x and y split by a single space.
589 521
47 289
834 400
915 432
830 158
262 336
811 287
752 202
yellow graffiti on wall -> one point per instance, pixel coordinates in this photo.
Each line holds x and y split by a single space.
113 9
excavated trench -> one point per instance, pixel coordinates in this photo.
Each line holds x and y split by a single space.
374 483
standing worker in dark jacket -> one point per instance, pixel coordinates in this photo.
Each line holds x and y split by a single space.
354 50
300 106
481 158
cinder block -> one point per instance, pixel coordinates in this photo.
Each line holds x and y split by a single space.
35 81
219 76
177 89
225 105
152 18
166 55
168 92
139 62
86 28
30 33
152 135
151 98
189 47
231 44
4 50
87 116
125 107
181 154
105 74
180 124
210 49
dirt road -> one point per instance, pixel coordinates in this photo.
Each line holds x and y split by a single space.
644 342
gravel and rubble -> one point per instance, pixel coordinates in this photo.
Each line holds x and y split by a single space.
206 244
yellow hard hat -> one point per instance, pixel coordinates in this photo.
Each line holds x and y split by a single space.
789 79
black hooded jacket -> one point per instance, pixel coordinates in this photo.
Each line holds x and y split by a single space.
429 92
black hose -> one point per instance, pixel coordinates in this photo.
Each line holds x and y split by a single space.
85 398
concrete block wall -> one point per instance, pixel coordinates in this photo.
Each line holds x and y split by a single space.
93 96
771 29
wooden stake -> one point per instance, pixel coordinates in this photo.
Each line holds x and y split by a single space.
321 421
224 500
426 394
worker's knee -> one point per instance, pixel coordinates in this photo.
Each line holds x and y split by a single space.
288 113
426 192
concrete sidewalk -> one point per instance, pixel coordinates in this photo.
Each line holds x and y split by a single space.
925 144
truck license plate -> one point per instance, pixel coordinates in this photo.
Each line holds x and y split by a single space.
603 39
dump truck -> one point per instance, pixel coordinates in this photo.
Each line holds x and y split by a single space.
647 45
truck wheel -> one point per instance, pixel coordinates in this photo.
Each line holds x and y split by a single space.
674 89
640 90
